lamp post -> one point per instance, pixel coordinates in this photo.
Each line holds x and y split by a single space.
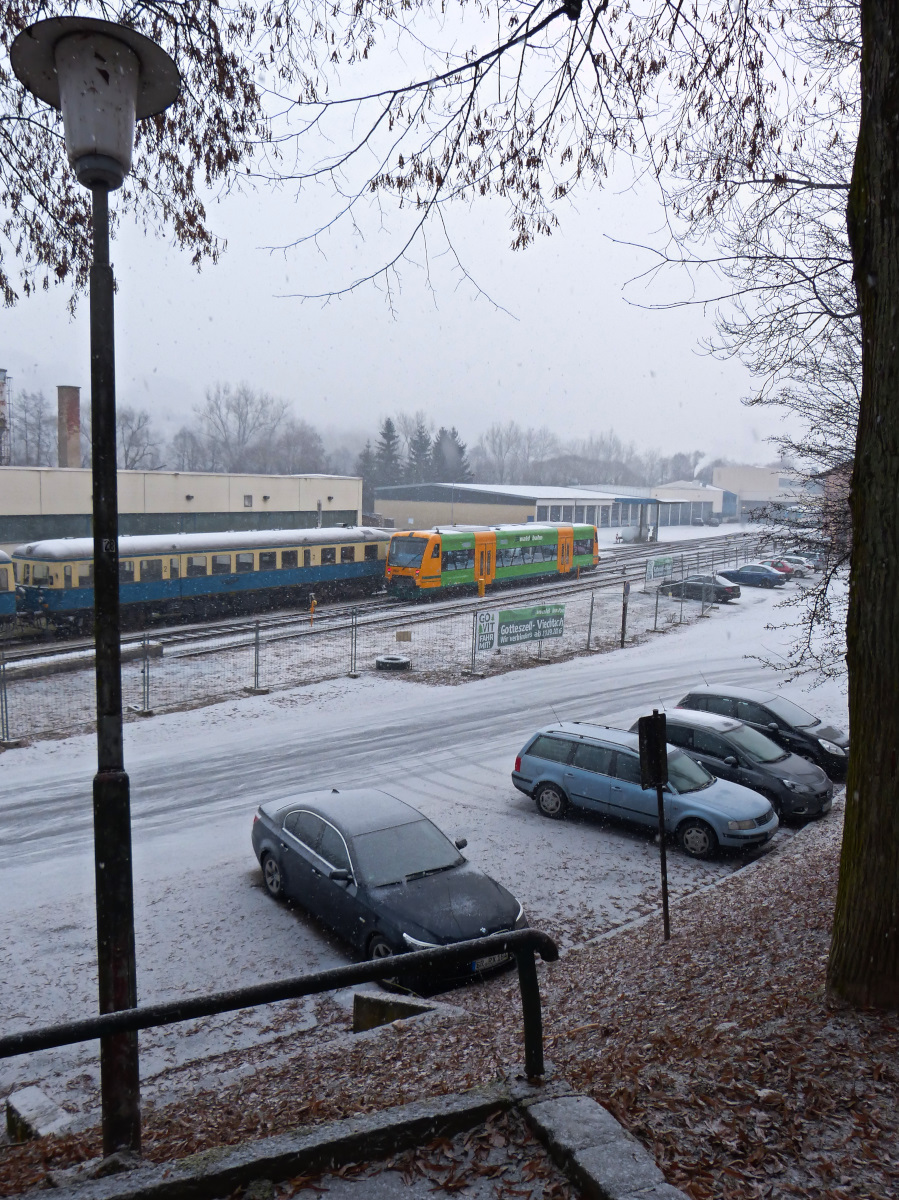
104 77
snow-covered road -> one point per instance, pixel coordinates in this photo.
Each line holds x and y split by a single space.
203 921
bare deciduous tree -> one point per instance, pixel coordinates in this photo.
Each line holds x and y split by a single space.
138 444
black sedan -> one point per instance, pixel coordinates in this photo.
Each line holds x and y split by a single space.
755 575
710 588
379 873
778 718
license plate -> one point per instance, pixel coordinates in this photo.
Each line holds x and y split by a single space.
484 964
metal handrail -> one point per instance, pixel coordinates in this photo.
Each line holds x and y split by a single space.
523 944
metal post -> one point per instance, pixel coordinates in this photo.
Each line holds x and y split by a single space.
655 623
354 635
4 701
145 671
625 592
256 658
531 1013
590 622
663 860
681 621
474 637
117 971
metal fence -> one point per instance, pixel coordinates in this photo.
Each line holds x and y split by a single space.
424 642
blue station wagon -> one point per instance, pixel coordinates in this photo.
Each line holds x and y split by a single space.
598 769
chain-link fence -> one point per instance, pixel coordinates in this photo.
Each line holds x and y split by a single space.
55 693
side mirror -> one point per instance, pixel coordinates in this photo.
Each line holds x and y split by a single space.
339 875
773 726
731 761
460 843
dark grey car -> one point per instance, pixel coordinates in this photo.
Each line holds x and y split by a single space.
379 873
732 750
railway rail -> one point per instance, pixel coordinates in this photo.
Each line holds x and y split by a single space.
627 565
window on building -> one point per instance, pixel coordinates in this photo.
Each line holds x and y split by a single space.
196 565
329 555
579 513
567 512
289 559
221 564
555 512
268 560
371 552
615 515
248 501
126 570
542 512
603 516
590 514
347 553
150 569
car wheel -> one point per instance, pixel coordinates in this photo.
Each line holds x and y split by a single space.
697 839
274 880
379 947
551 802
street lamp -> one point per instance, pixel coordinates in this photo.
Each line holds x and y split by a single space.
104 77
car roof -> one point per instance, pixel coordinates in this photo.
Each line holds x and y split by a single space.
732 692
354 811
600 733
702 720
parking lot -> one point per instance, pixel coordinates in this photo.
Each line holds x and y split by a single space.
203 919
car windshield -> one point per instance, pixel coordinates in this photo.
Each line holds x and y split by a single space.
685 775
406 551
403 852
792 713
755 745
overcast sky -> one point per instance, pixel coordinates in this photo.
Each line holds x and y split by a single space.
565 348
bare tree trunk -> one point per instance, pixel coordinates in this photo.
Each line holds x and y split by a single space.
864 956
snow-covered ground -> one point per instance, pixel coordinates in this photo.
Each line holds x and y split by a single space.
203 920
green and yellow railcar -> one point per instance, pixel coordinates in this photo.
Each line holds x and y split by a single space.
474 558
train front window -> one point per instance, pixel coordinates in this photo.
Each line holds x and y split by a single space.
407 551
40 573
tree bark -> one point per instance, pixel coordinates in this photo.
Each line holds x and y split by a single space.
864 956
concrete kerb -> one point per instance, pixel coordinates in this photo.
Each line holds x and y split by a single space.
582 1137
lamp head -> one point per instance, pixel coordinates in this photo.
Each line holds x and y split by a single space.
103 77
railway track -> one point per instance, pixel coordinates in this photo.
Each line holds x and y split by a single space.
627 563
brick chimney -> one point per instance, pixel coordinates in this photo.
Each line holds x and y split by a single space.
69 426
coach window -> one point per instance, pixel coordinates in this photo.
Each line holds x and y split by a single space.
40 573
307 558
221 564
85 574
244 563
126 570
66 579
268 560
4 580
150 569
329 555
26 572
288 559
347 553
174 568
567 512
371 552
196 565
555 512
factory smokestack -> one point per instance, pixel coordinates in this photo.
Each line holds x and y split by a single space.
69 426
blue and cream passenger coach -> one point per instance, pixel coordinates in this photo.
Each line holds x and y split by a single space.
199 574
